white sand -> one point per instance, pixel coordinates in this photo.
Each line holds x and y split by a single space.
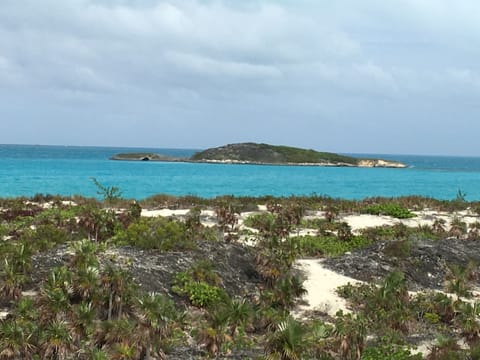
164 212
321 284
357 221
30 293
363 221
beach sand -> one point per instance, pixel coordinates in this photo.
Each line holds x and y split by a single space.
321 284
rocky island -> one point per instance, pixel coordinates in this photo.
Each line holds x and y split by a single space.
265 154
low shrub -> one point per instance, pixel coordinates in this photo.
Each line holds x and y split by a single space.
399 249
45 237
389 209
156 233
389 351
200 293
259 221
329 245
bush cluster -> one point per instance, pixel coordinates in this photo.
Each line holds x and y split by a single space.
389 209
200 284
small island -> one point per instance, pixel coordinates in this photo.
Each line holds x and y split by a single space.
265 154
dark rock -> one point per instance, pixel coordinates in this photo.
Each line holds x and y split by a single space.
154 271
425 266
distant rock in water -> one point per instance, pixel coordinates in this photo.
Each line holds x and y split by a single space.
253 153
264 154
144 157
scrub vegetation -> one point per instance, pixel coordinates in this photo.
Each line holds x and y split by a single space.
71 286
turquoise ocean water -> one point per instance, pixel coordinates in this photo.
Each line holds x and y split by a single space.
26 170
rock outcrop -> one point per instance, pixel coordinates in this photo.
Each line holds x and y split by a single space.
265 154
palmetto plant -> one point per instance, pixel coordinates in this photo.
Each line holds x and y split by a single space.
111 332
214 335
391 302
156 315
21 258
394 288
85 253
54 299
458 228
94 354
467 319
53 303
16 341
289 250
117 285
288 341
99 224
227 219
269 265
86 284
438 226
351 331
474 231
60 278
25 310
82 320
344 231
124 351
11 281
287 290
459 279
331 213
56 341
239 313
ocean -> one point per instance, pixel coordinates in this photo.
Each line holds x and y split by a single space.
26 170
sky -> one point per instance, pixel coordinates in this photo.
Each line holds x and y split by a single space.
389 77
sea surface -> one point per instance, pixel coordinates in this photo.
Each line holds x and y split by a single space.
26 170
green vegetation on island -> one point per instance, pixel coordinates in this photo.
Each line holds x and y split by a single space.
253 153
264 153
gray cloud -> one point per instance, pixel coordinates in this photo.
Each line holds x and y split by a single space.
201 73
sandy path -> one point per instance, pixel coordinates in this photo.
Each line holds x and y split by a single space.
321 284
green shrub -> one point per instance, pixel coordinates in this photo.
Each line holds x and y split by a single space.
432 318
357 294
156 233
434 307
399 249
3 231
379 233
110 194
389 351
329 245
45 237
260 221
399 232
200 293
389 209
315 223
387 307
204 270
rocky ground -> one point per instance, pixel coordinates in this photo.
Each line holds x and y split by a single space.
424 263
153 270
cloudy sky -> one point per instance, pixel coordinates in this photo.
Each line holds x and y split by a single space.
393 76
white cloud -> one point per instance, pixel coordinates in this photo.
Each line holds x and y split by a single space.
317 60
207 66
